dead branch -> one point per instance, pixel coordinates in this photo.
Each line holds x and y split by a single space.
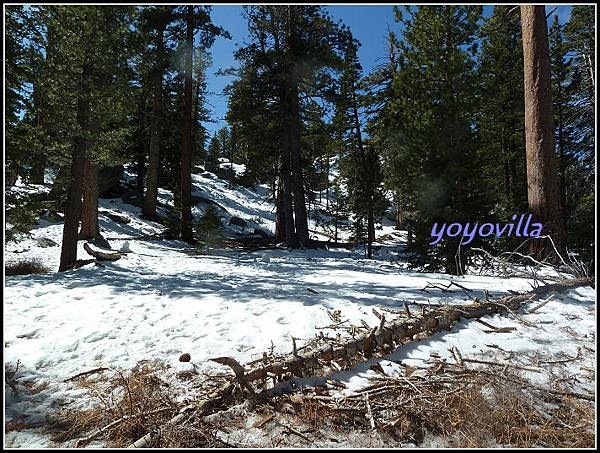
101 256
540 305
86 373
367 344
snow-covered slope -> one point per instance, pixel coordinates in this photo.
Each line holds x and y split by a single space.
166 298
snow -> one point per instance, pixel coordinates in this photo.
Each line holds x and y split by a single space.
165 298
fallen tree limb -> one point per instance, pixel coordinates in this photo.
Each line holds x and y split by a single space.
400 330
101 256
379 340
503 364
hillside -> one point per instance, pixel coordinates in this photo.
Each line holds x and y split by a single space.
164 298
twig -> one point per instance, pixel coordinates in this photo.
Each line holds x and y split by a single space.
540 305
369 413
487 362
85 440
86 373
496 329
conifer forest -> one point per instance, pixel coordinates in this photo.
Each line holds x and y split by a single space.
299 225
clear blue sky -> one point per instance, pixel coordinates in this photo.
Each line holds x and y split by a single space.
369 24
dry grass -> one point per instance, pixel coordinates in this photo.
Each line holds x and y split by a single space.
25 267
477 411
130 405
471 408
196 434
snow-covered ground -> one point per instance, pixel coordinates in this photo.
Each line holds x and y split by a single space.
166 298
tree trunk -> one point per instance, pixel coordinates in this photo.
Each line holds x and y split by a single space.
292 129
140 157
370 231
149 208
370 188
300 211
68 254
542 186
287 210
279 214
36 175
186 149
89 211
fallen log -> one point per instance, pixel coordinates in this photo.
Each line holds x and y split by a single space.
380 339
101 256
384 338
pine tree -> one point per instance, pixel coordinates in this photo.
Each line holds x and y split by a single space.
194 19
360 162
155 22
87 58
574 127
291 47
434 118
542 183
501 117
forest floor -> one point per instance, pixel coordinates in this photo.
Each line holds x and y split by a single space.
76 342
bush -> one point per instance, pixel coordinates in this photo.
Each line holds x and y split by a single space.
25 267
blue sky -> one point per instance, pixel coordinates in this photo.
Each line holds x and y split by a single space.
369 24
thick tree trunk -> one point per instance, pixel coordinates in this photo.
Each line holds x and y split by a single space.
68 254
89 211
292 177
149 208
186 149
300 211
542 184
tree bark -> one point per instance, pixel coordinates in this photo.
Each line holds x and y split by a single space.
370 189
286 208
149 208
370 232
300 210
68 254
36 175
292 129
89 211
542 187
140 157
186 149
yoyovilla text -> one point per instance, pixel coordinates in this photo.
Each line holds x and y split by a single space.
468 230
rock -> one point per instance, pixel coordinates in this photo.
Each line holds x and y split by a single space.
185 357
109 181
99 241
118 218
45 242
237 221
225 172
52 216
262 233
125 248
